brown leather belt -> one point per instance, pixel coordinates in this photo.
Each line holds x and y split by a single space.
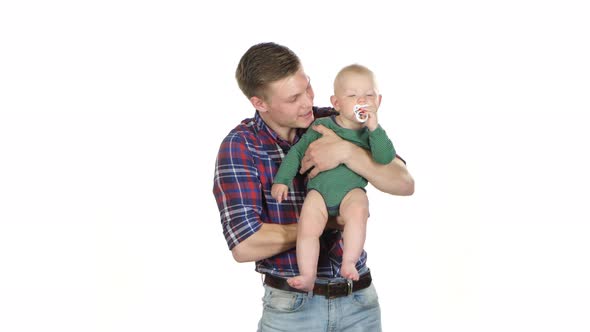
329 290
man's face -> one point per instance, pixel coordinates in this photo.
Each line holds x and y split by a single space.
290 101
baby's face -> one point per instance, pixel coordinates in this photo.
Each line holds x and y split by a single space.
355 89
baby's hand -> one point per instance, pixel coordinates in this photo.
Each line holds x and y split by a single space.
372 122
279 191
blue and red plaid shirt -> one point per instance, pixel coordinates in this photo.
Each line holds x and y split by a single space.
247 161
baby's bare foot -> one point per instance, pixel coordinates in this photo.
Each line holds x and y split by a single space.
302 282
349 271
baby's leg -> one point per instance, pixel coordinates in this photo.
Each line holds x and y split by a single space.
312 221
354 210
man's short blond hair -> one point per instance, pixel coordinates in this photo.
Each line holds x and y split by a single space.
263 64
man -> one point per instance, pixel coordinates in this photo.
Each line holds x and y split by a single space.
258 228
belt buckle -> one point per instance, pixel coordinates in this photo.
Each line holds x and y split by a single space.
332 296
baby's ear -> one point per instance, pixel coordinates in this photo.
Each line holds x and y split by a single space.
335 102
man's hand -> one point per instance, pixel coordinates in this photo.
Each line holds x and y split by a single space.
279 191
325 153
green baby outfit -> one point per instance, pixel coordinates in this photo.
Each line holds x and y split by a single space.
334 184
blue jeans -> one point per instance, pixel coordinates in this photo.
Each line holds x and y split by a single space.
292 311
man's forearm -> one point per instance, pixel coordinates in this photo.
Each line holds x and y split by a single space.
392 178
269 240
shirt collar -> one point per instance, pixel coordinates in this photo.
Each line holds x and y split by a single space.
262 126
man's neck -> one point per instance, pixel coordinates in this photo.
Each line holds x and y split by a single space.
286 133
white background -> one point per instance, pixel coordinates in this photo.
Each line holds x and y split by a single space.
111 114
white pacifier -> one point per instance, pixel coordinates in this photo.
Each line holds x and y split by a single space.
360 116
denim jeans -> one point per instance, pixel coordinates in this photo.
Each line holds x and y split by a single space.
293 311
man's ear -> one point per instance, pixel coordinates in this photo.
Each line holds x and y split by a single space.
379 100
259 104
335 103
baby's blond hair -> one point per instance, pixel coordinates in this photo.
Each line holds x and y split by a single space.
354 68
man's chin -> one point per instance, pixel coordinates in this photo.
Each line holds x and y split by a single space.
307 120
305 124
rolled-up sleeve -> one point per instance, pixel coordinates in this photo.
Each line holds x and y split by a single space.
237 190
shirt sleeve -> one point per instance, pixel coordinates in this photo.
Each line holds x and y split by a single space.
292 161
321 112
382 148
237 190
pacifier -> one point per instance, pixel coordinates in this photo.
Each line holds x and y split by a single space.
361 116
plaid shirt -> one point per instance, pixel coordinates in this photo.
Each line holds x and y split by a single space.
247 161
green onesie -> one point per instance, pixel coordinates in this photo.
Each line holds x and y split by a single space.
334 184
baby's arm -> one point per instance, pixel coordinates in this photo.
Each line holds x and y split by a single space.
382 148
290 166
